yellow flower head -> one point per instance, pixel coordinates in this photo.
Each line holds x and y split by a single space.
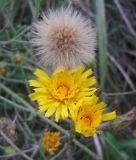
51 141
62 91
89 116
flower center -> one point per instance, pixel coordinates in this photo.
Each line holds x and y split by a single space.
63 87
61 92
87 119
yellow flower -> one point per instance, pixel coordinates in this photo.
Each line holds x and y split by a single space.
62 91
51 141
89 116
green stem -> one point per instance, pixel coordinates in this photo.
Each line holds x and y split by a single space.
102 44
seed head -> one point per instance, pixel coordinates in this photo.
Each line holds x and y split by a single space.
64 38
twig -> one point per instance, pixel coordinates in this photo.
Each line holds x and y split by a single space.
133 53
98 146
122 71
127 22
119 93
69 153
81 4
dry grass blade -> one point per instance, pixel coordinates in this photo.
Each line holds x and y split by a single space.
124 17
122 71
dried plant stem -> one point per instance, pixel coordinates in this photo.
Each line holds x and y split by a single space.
98 146
127 22
121 122
122 71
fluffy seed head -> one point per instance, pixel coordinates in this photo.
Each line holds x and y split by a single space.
64 38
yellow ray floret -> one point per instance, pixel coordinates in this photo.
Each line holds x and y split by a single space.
60 93
90 115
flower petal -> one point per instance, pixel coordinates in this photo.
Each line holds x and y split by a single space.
58 113
50 111
64 111
35 83
42 108
43 77
109 116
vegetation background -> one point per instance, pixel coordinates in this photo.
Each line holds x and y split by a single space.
115 68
